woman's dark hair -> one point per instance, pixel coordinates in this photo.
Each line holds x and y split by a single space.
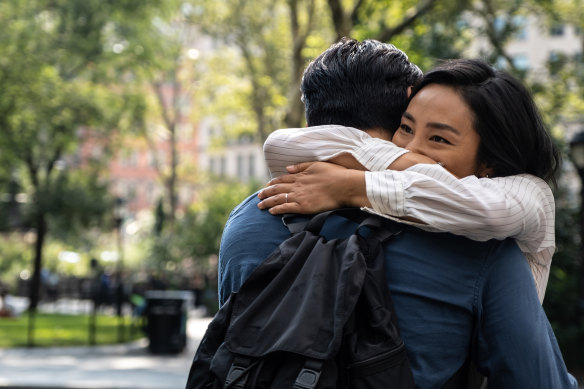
513 138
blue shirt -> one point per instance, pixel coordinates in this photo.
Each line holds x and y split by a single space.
453 297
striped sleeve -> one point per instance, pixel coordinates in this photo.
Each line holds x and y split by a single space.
521 207
321 143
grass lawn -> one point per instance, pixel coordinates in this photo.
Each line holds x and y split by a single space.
64 330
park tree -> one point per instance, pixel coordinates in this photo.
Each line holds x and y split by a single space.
558 91
267 45
264 41
57 75
383 20
192 246
169 80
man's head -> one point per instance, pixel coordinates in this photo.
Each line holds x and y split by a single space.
358 84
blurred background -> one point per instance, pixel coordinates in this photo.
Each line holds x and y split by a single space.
129 129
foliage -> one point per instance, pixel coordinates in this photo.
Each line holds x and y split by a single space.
58 59
197 235
562 299
15 254
167 82
253 79
558 93
55 330
260 31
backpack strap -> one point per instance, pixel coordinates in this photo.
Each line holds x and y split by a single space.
294 223
315 224
309 375
239 372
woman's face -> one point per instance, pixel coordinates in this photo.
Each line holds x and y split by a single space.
439 125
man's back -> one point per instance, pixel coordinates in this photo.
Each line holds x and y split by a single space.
451 295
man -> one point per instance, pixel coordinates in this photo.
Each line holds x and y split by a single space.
456 299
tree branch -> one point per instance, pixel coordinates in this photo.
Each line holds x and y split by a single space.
496 39
354 18
158 86
258 92
56 156
338 17
389 32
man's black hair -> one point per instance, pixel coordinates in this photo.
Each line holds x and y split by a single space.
358 84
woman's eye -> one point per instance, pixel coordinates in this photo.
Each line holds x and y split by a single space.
405 128
439 139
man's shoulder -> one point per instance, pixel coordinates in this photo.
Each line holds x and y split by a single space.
248 203
248 223
249 236
248 212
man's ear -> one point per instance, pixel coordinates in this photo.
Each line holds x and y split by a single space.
410 90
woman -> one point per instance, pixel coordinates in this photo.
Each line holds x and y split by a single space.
492 151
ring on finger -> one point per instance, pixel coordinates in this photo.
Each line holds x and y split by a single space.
286 197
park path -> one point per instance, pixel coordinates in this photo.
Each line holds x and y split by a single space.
126 366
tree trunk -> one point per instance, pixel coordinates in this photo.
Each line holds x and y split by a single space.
172 198
340 19
295 112
35 284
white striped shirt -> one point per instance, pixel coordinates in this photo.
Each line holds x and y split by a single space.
520 206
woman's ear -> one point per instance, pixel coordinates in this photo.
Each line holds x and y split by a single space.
410 90
485 172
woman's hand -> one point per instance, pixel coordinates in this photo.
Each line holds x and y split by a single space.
314 187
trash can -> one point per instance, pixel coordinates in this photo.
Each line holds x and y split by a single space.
166 320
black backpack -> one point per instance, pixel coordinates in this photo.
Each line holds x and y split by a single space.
314 314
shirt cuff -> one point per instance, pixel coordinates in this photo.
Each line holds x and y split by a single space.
385 192
377 154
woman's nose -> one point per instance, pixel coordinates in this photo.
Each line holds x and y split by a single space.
415 146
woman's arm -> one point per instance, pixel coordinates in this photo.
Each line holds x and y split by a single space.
519 206
478 208
344 146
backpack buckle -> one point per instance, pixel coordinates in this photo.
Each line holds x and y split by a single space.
308 376
237 376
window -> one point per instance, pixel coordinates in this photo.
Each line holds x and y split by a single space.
128 158
554 56
521 61
240 170
184 105
520 23
222 166
557 29
131 192
151 160
96 152
501 63
150 192
212 165
499 24
184 131
185 195
251 166
133 159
